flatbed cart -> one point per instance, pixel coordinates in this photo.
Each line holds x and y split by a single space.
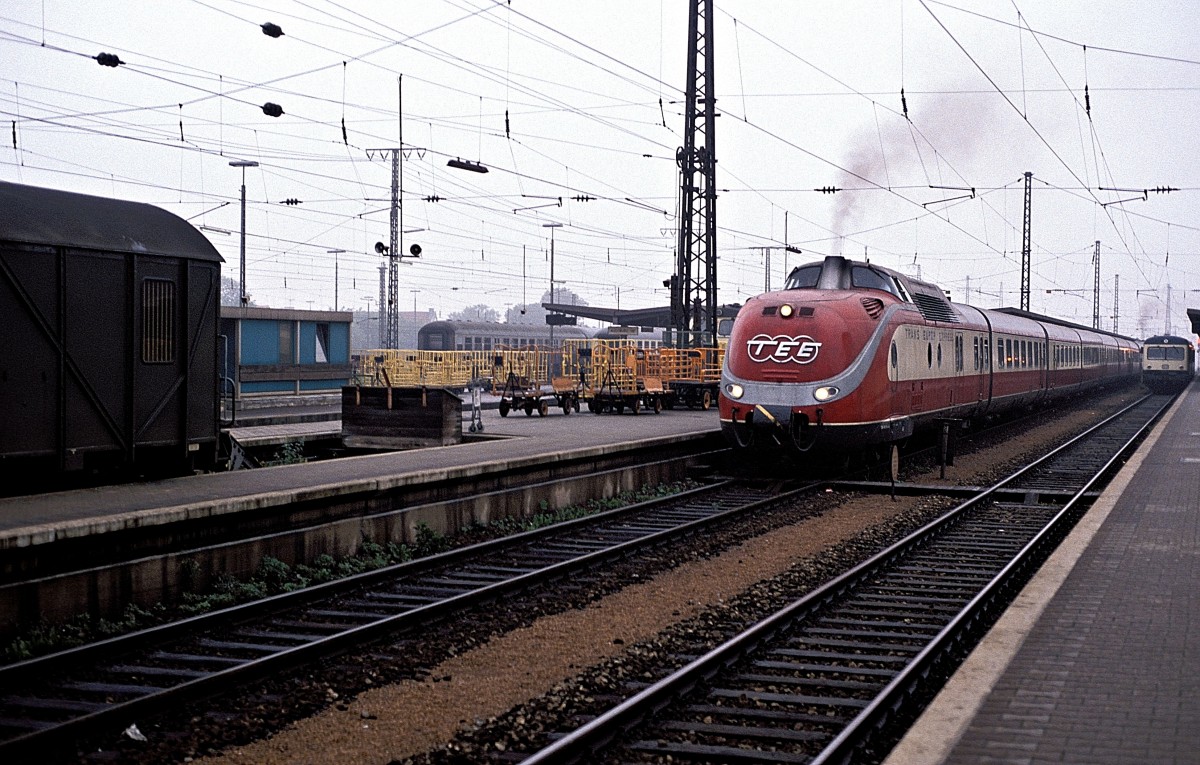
693 394
567 393
617 395
518 394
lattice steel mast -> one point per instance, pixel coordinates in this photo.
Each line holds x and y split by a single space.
694 285
1026 245
1116 303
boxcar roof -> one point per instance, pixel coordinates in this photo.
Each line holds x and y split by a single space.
35 215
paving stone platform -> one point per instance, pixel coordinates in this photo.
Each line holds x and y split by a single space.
1098 661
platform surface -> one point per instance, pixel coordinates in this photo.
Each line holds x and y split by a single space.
1098 660
514 441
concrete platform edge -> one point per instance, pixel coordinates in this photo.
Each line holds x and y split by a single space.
27 536
938 729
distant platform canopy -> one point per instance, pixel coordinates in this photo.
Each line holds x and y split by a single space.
659 317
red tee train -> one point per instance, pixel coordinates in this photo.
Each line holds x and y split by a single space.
850 355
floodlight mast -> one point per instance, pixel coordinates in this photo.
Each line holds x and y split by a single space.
243 163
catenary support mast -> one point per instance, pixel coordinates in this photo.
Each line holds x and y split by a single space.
694 284
1026 243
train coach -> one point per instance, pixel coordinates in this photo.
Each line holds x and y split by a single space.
489 335
108 359
852 356
453 335
1168 363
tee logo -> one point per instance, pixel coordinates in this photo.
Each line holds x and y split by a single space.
801 349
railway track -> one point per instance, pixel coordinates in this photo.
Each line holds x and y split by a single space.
818 681
52 700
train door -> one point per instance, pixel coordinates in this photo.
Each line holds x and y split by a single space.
982 368
1043 362
899 385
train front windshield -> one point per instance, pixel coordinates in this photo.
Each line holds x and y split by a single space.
1165 353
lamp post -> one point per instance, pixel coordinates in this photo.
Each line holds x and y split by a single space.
335 254
551 226
243 163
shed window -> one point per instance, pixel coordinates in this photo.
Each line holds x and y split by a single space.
158 321
286 346
321 343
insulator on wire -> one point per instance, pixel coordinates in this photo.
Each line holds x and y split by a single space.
903 103
108 59
1087 101
272 110
272 30
292 201
434 198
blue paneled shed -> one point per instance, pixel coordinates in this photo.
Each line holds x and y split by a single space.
284 351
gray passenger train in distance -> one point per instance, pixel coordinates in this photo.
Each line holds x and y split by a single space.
447 335
1168 363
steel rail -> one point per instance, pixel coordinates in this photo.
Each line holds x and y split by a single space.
641 707
706 509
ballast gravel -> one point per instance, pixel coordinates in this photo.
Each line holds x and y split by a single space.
474 698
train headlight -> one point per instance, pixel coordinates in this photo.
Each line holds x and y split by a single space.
734 391
786 311
825 393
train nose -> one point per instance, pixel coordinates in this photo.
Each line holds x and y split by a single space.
814 342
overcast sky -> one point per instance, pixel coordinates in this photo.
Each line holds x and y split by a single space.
582 99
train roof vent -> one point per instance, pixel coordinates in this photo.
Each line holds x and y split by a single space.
874 307
934 308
